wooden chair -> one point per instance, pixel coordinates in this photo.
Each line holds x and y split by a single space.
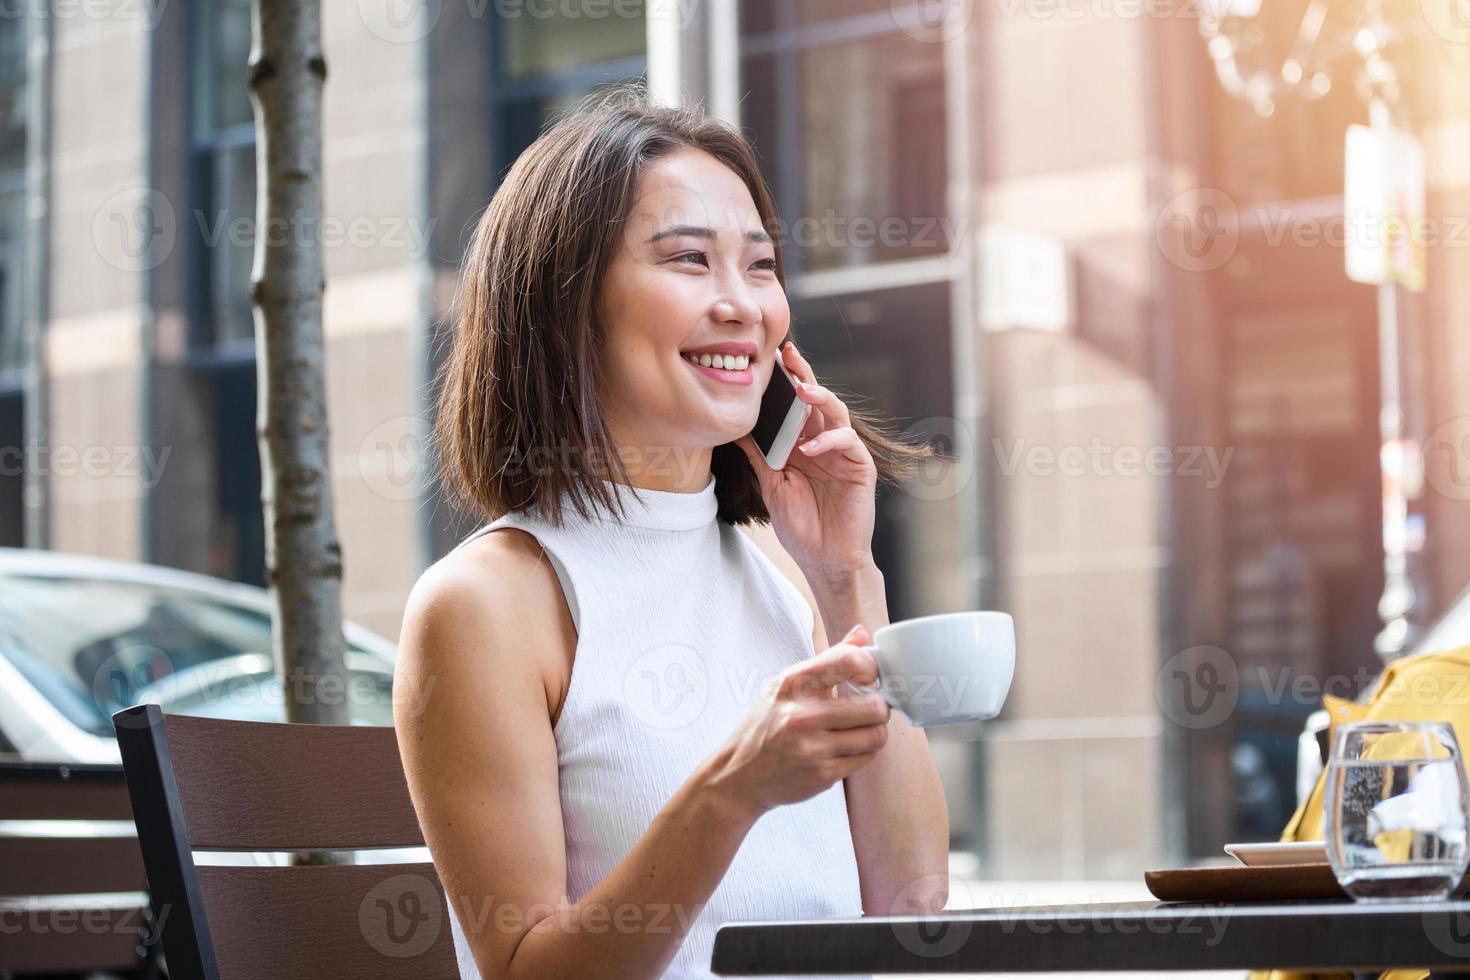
70 902
211 785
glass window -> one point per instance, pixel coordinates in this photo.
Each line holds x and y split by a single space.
549 57
867 181
523 119
191 652
224 172
12 93
225 223
540 39
221 52
12 183
12 232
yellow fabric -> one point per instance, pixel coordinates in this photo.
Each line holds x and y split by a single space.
1424 687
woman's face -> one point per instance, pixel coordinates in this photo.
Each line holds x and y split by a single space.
695 272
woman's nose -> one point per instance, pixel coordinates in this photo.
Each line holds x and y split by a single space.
736 307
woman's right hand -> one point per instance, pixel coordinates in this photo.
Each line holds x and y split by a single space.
801 736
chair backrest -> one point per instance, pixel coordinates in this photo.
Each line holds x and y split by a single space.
205 784
71 889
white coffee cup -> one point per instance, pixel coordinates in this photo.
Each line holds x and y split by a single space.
945 669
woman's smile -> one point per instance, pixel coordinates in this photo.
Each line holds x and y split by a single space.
728 362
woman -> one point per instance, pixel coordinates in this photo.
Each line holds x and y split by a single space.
615 725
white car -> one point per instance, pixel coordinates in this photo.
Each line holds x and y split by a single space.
81 638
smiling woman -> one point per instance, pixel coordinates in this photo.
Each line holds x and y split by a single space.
616 215
613 718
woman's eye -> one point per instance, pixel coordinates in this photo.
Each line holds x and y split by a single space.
766 265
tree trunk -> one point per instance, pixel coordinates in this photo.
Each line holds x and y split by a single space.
303 558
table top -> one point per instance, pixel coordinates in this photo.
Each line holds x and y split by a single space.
1120 937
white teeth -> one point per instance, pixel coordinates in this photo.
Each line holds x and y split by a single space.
724 362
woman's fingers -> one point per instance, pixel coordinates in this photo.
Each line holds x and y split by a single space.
817 675
834 412
860 741
844 439
797 364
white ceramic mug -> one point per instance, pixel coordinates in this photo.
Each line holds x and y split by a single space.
945 669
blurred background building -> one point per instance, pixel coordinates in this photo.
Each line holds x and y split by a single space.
1163 416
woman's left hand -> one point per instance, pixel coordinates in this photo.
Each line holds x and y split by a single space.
822 501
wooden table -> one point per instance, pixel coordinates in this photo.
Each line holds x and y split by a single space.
1125 937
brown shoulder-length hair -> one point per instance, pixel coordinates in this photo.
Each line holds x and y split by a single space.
519 421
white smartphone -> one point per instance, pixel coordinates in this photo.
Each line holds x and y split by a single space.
782 417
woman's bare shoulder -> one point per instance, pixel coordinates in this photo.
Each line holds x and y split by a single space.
495 591
493 574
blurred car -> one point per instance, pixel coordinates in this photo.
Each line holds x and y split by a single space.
81 638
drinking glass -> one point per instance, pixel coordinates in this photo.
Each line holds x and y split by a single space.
1394 816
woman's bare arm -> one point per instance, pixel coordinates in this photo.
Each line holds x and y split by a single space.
895 807
474 728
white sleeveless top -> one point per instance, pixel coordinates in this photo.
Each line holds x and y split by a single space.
680 621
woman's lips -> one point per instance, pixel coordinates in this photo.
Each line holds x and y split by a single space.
745 378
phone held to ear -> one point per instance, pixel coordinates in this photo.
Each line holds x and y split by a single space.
782 417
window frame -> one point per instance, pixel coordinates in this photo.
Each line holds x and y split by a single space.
12 375
506 92
203 148
785 44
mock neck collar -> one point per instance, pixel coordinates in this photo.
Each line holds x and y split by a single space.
660 510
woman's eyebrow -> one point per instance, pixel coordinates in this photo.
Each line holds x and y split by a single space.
755 236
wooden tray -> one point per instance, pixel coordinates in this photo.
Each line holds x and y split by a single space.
1282 882
1243 884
